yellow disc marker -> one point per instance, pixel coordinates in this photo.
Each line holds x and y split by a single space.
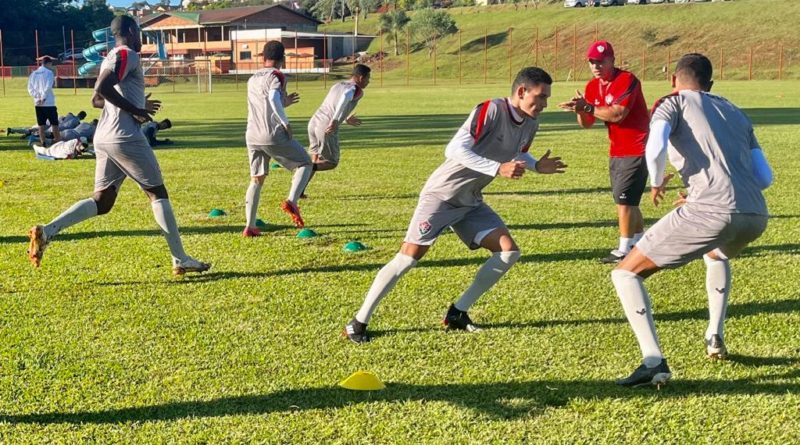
362 381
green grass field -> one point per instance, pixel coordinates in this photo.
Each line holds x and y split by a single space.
102 345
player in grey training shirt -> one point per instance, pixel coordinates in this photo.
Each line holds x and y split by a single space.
121 150
337 108
269 136
718 157
493 141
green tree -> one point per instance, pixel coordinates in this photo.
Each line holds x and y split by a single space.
431 25
392 23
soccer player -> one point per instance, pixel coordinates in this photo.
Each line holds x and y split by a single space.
70 121
720 161
40 88
83 130
269 135
151 129
338 106
121 151
615 97
493 141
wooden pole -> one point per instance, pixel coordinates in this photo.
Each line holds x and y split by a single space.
325 61
644 65
750 75
172 61
722 64
555 61
485 49
596 35
74 74
408 63
434 60
574 50
381 57
2 64
37 45
296 64
669 64
459 58
536 48
510 52
780 63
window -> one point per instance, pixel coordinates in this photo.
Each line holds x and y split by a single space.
245 55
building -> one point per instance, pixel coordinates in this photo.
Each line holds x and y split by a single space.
240 34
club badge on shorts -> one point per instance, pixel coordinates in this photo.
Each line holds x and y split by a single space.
424 228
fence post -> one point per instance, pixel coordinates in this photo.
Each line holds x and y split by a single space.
325 61
780 63
595 32
750 76
555 61
574 50
296 64
485 49
669 64
536 48
722 64
408 43
381 55
74 76
434 60
644 65
459 57
37 44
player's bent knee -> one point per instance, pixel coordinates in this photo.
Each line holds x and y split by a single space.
510 257
157 193
105 199
259 179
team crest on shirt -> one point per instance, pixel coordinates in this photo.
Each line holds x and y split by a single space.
424 228
609 99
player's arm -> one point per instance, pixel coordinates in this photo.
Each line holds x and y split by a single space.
105 88
460 150
762 172
656 157
275 98
544 165
338 113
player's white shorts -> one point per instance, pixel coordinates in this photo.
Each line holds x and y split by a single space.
134 159
433 216
324 145
290 155
686 234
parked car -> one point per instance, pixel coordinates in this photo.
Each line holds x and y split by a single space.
612 2
638 2
575 3
69 55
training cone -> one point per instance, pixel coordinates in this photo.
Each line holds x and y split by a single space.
362 381
306 233
354 246
260 224
216 213
275 166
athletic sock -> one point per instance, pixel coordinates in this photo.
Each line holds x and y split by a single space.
718 286
80 211
636 304
165 217
384 282
299 182
251 203
625 244
488 275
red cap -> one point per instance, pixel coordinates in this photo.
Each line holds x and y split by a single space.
600 50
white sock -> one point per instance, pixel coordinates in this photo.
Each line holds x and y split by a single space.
80 211
384 282
636 304
625 244
718 286
299 182
488 275
165 217
251 203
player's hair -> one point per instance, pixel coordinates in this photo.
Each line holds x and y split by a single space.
94 122
695 67
274 50
46 60
361 70
167 123
531 76
123 24
81 115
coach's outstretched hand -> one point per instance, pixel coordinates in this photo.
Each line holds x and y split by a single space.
512 169
548 165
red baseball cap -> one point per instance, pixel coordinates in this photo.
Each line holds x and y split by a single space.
600 50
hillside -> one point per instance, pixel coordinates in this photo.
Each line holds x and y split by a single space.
646 38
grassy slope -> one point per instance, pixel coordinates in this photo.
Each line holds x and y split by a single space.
101 345
706 27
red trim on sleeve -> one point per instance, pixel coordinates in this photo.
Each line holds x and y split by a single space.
359 92
661 101
281 77
123 57
481 119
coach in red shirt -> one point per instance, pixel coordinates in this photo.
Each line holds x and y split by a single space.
615 97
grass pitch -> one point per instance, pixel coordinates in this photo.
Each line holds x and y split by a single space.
103 345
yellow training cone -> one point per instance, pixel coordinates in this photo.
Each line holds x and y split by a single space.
362 381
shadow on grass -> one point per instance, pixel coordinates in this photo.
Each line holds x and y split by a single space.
190 230
507 400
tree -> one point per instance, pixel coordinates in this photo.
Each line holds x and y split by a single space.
392 23
431 25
